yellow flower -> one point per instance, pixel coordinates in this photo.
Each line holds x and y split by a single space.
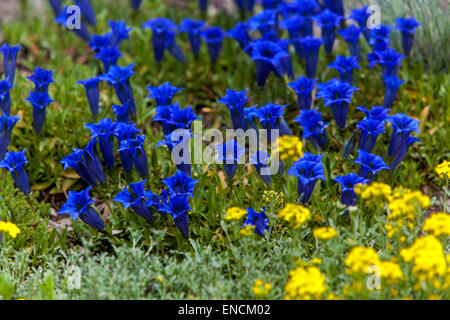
325 233
288 147
374 192
261 288
295 214
305 283
247 230
359 259
443 169
438 224
9 228
390 271
316 261
235 213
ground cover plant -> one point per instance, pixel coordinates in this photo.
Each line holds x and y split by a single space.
93 204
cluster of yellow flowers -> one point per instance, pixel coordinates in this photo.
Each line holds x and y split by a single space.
373 193
390 271
288 147
443 169
9 228
324 233
360 259
261 288
295 214
305 283
235 213
438 224
247 230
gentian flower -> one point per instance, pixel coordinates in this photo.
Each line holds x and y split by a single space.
235 101
313 128
5 97
337 6
391 85
230 154
348 183
119 78
329 22
179 141
370 164
39 101
135 147
139 199
122 112
86 163
389 60
337 94
257 219
87 11
270 4
64 16
349 144
307 9
403 151
286 62
104 132
9 61
92 93
240 34
7 123
249 115
79 204
203 5
361 16
402 126
407 26
379 37
163 116
213 37
268 56
163 94
56 6
180 184
245 5
370 129
345 66
260 160
303 87
265 22
308 170
159 201
351 35
136 4
293 25
182 118
119 32
126 132
164 31
100 41
310 48
41 79
271 116
193 28
376 113
109 57
178 207
15 162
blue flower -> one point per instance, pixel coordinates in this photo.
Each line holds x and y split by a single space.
92 93
213 37
265 22
203 4
348 183
303 87
5 97
403 151
379 37
310 48
402 126
270 4
271 116
407 26
119 78
308 170
104 132
122 112
163 94
337 6
370 129
136 4
307 9
65 16
99 42
163 116
179 140
361 16
56 6
79 204
125 132
245 5
136 197
294 26
257 219
345 66
178 207
260 160
39 101
351 35
109 56
15 162
181 118
135 147
7 123
42 79
389 60
376 113
119 32
86 163
159 201
235 101
230 154
370 164
87 11
9 61
240 34
329 22
180 184
193 28
391 85
337 94
313 128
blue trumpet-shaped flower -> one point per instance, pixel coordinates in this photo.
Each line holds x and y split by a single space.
271 116
56 6
213 37
370 164
7 123
337 95
137 198
163 94
119 32
379 37
9 61
92 93
119 78
294 26
180 184
389 60
308 169
158 202
109 57
124 132
178 207
307 9
122 112
348 183
403 151
265 22
230 154
351 35
79 204
391 86
345 66
135 147
163 116
42 79
270 4
177 142
303 87
136 4
376 113
100 41
104 132
313 128
310 48
361 16
39 101
203 5
194 30
337 6
259 220
240 34
182 118
15 162
407 26
370 129
329 22
164 31
260 160
67 16
402 126
5 97
87 11
235 101
245 5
